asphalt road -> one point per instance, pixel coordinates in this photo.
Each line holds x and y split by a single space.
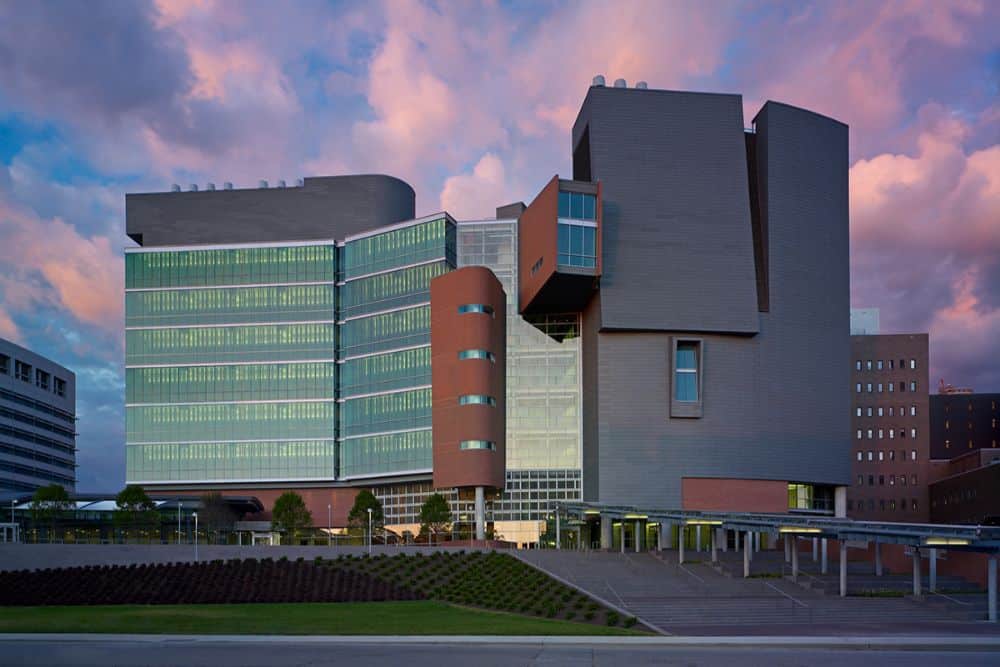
225 654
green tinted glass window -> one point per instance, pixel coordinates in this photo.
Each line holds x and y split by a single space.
410 245
243 382
264 460
381 454
234 266
229 421
386 412
229 306
403 328
286 342
386 291
385 372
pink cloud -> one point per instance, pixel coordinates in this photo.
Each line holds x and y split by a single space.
51 264
477 194
8 328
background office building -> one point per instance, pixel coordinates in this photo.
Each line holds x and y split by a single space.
37 421
889 418
674 335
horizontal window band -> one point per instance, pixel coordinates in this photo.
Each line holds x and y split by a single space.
477 354
384 393
226 442
440 215
478 445
394 473
229 324
231 246
380 352
266 362
435 260
383 312
187 288
234 480
471 308
573 222
251 402
477 399
381 433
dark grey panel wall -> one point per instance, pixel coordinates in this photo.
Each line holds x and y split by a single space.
590 326
323 208
776 405
677 243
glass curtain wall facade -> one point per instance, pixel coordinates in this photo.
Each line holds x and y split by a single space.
297 362
384 347
230 369
543 390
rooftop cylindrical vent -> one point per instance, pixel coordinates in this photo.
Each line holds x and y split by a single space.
210 186
281 183
599 80
227 185
641 85
262 184
175 188
620 83
193 187
300 182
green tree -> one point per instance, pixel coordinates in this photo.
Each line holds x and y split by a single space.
358 516
435 515
214 514
135 510
48 505
290 514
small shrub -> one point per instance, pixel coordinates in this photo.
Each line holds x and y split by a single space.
589 615
630 621
570 615
613 618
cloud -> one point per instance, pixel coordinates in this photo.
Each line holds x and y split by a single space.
476 195
8 328
925 244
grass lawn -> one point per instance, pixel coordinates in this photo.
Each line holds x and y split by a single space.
339 618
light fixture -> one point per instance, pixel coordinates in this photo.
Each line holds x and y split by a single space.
799 529
946 541
702 522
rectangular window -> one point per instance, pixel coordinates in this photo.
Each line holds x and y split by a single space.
891 386
880 387
868 364
686 378
891 433
892 364
913 433
857 388
880 364
881 455
913 457
42 379
913 411
869 411
892 453
890 408
868 387
4 364
857 365
871 455
870 434
881 435
859 434
577 205
913 364
857 411
913 385
577 246
22 371
60 387
859 455
881 412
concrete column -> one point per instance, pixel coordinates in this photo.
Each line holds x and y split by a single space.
638 535
736 539
659 536
991 585
606 534
558 531
815 549
713 538
668 536
622 533
878 559
932 561
840 502
697 539
756 541
843 569
795 559
822 551
746 556
749 538
788 548
680 544
916 572
724 538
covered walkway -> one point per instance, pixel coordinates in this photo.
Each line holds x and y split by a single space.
637 529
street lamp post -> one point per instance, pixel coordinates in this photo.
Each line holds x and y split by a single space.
369 531
195 536
329 522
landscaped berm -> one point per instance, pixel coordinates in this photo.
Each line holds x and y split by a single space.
438 593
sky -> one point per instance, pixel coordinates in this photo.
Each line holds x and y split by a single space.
472 103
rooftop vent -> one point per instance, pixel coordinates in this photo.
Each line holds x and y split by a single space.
210 186
620 83
193 187
281 183
175 188
300 182
227 185
262 184
598 80
641 85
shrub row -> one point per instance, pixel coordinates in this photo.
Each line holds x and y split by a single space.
231 581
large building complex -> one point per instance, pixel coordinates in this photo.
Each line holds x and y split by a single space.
37 421
666 328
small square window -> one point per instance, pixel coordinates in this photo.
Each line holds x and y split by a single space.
913 411
879 364
859 455
857 411
868 364
857 365
857 388
881 455
913 364
4 364
22 371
